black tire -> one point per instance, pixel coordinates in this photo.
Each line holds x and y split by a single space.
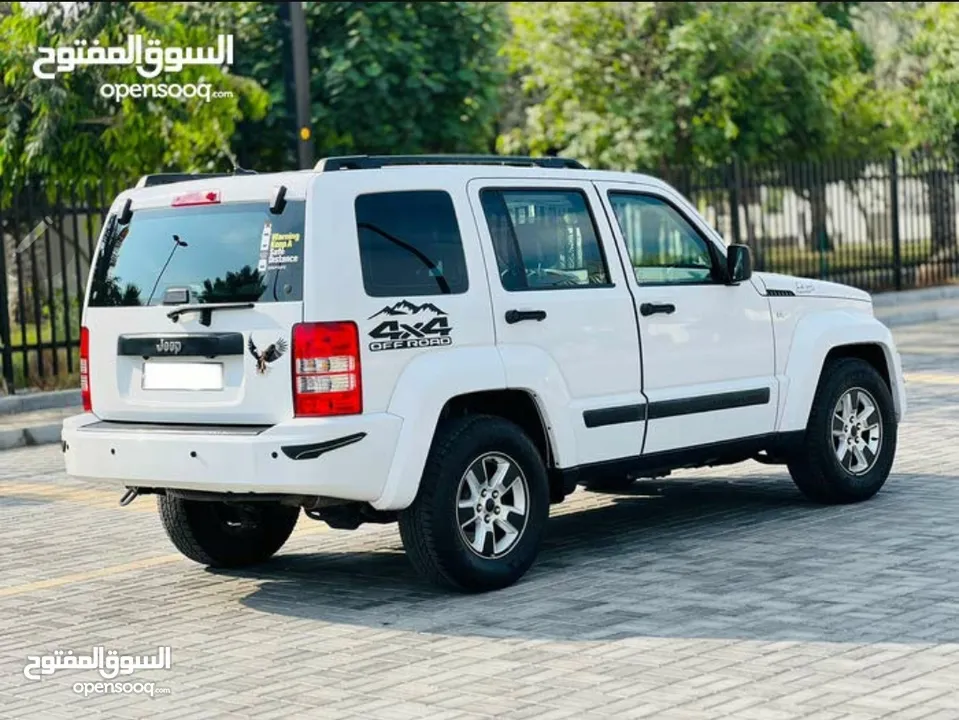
814 465
228 535
430 527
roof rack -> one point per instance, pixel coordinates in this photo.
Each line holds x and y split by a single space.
373 162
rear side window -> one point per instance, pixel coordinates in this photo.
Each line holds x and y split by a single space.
544 239
410 244
237 252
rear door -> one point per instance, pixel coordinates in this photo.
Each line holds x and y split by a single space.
190 308
562 308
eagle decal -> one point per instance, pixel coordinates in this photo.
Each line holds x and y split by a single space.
273 353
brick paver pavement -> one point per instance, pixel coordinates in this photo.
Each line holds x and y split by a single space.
715 593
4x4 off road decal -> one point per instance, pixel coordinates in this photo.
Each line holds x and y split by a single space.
407 325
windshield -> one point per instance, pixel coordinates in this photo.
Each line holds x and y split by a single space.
237 252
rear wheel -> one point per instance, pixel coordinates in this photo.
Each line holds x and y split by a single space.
850 440
481 511
222 534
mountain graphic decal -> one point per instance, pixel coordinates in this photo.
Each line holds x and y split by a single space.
405 307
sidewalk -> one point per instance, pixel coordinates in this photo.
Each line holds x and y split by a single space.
36 418
914 307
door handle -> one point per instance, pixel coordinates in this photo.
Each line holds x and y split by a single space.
647 309
515 316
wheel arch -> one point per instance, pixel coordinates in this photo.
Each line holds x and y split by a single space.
519 406
823 337
871 353
438 385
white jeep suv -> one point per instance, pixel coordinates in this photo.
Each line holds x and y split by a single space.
454 343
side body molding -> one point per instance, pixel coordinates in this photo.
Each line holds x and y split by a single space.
814 336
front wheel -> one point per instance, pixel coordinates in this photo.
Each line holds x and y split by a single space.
481 511
850 440
222 534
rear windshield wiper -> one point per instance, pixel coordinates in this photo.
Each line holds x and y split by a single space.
444 286
206 310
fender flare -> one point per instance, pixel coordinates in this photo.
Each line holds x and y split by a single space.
460 372
815 336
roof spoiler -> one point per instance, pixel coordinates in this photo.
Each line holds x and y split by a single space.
168 178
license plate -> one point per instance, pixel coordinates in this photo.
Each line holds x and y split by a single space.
182 376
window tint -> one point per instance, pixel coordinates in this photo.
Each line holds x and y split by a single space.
236 252
544 239
410 244
663 246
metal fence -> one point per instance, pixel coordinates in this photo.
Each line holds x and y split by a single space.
888 224
49 236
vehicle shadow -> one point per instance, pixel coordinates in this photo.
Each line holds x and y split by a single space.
740 559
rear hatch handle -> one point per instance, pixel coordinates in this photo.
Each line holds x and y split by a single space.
206 310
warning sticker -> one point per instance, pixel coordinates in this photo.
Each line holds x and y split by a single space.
283 249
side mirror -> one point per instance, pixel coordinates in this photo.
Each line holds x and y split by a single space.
739 264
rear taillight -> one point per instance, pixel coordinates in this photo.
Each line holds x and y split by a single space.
85 369
326 369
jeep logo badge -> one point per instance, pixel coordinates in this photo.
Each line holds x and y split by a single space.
171 347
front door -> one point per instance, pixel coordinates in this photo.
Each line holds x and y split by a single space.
564 318
708 356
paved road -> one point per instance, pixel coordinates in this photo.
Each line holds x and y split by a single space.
719 593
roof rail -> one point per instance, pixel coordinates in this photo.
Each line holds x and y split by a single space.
372 162
168 178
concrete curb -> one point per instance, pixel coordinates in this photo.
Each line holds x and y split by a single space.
32 402
907 297
918 317
34 435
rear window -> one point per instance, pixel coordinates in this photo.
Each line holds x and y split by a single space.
237 252
410 244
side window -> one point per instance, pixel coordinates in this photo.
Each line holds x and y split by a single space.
663 247
544 239
410 244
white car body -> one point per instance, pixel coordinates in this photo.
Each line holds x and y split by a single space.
734 365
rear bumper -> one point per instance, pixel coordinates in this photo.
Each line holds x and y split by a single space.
347 458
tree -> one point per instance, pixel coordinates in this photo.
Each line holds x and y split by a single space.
65 131
657 84
388 77
933 88
654 85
